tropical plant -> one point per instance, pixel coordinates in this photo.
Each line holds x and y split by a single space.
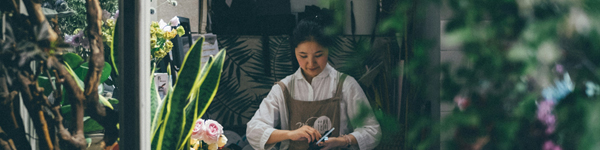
187 101
29 54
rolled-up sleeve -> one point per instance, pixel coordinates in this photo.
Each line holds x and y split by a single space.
265 120
366 128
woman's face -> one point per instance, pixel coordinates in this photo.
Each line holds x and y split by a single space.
312 58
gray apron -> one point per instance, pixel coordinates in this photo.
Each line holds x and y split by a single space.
321 115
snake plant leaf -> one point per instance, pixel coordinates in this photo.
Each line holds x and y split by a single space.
154 96
205 93
113 53
159 116
82 70
168 134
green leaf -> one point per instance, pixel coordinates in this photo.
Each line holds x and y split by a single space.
76 78
83 70
80 83
90 125
113 101
72 59
45 83
65 110
207 89
169 133
105 102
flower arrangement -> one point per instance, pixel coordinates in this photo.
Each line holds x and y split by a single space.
161 34
108 26
207 135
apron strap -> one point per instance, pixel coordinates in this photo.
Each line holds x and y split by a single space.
338 92
286 93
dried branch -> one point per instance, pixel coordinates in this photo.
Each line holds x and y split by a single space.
8 102
6 108
11 5
96 64
32 98
37 17
74 135
108 118
5 141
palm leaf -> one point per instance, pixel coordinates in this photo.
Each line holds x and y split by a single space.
340 49
241 58
242 61
280 63
353 58
231 96
281 57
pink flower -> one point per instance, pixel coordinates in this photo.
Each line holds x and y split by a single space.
549 145
198 131
560 68
213 131
544 112
461 102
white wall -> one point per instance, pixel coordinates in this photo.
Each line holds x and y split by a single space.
184 8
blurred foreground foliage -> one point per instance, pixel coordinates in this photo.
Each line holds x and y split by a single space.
517 55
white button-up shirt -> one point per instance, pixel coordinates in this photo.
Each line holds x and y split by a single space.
273 113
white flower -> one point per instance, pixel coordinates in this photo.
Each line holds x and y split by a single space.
164 26
174 21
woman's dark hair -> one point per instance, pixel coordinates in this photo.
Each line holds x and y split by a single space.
309 30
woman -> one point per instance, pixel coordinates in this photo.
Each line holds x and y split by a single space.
316 98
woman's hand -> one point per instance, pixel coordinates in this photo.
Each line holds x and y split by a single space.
333 142
304 133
